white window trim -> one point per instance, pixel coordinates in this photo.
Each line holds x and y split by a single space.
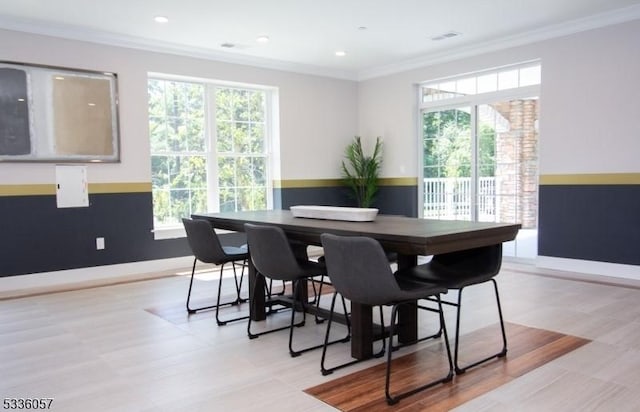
477 99
177 231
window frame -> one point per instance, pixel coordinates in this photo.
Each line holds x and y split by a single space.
473 101
211 140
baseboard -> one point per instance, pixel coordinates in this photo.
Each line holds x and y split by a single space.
62 280
615 273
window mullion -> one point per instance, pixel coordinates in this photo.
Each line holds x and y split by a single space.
474 163
211 133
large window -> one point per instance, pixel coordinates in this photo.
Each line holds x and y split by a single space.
208 149
479 158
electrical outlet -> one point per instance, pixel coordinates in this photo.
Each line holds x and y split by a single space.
99 243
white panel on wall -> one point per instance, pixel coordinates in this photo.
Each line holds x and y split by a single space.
71 186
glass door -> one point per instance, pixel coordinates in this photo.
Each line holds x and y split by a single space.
448 164
508 169
480 163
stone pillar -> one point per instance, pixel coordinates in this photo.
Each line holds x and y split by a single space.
517 163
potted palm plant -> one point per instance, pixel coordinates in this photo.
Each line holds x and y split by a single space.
360 172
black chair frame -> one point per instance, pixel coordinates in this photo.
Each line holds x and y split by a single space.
285 267
391 400
206 248
327 371
219 304
457 271
359 270
458 305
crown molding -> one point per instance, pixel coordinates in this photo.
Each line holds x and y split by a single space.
141 43
113 39
545 33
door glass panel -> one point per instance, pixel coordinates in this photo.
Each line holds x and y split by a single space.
507 155
447 164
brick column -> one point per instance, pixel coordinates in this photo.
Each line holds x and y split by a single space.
517 163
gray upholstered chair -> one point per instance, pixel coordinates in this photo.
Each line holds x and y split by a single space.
457 271
273 257
206 247
359 270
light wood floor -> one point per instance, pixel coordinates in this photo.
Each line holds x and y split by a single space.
131 347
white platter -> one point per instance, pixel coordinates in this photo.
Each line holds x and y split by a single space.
351 214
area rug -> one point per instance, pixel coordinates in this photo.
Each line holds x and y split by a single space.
528 349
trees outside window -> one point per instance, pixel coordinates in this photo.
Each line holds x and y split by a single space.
208 149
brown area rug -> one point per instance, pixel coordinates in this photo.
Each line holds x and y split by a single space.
528 349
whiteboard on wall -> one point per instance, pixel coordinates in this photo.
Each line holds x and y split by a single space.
72 189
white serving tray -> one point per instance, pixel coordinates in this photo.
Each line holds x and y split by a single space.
351 214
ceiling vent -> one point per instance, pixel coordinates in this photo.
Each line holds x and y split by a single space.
237 46
446 35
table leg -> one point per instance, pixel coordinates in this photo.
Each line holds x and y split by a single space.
257 284
407 314
361 331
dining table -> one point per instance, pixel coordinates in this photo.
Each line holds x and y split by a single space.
408 237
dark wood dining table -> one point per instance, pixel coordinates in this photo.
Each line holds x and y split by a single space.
408 237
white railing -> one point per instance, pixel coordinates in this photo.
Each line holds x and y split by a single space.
450 198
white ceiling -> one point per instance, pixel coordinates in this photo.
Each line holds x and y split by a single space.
305 34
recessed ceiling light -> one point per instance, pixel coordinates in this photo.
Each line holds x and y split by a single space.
228 45
262 39
362 28
341 53
161 19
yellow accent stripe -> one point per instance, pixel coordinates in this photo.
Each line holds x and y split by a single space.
305 183
138 187
592 179
27 190
309 183
399 181
94 188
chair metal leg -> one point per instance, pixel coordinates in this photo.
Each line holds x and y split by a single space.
239 284
193 271
317 299
295 353
500 354
433 336
218 303
326 371
268 286
395 399
194 310
237 301
256 335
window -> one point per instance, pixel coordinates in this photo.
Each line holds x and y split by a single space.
480 83
479 159
208 149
